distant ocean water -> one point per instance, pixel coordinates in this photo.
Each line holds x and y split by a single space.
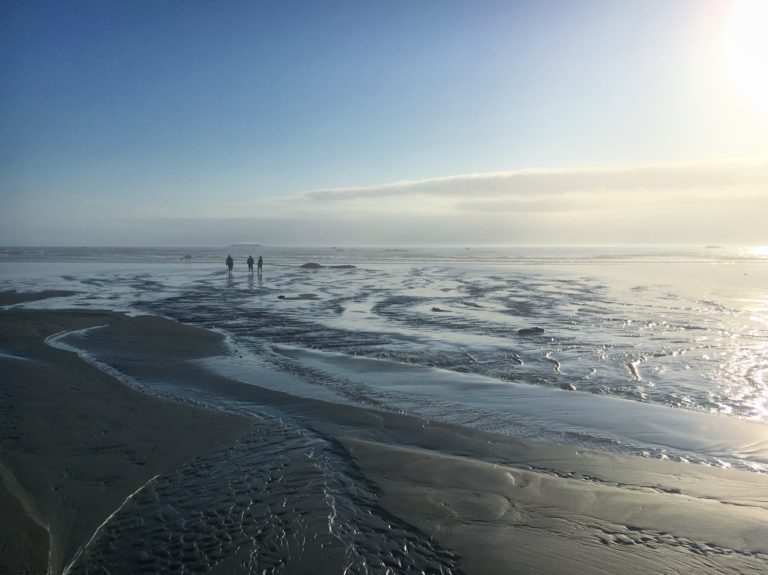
557 344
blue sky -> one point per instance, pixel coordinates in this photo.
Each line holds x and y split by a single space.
154 122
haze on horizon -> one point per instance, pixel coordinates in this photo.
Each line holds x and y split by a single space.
443 122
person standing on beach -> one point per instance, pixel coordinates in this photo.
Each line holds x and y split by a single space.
230 263
258 266
250 264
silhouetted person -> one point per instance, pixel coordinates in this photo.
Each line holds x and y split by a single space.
258 265
230 263
250 264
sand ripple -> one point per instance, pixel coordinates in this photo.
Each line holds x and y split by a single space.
276 501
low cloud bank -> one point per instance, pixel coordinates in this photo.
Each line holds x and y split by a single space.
545 189
704 202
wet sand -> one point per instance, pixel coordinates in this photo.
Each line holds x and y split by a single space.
75 443
505 520
14 297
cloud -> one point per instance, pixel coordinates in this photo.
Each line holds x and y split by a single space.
704 202
544 189
550 203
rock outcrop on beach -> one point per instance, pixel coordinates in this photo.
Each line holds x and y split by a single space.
530 331
301 296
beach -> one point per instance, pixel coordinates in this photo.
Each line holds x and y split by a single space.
384 288
97 472
76 442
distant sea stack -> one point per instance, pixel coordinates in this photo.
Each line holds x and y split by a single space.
317 266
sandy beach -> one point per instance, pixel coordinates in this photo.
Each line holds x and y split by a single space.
76 442
89 462
384 288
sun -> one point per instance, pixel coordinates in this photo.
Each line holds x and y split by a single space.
746 49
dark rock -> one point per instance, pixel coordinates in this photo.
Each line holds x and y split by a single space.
301 296
438 309
568 387
311 266
530 331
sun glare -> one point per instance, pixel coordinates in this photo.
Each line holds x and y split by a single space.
746 48
758 251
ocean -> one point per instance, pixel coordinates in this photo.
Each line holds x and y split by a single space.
655 352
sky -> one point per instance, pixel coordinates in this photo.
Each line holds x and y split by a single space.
383 123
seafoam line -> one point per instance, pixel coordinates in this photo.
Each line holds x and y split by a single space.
80 551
